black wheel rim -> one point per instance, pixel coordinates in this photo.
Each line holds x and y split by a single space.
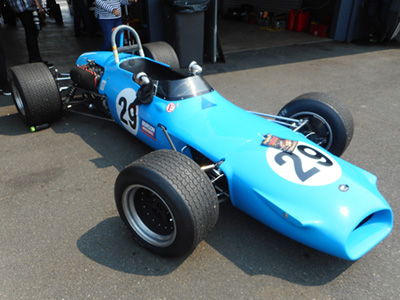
317 129
149 215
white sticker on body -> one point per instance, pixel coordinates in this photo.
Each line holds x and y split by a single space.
127 112
307 165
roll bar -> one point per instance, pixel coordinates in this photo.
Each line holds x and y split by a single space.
136 47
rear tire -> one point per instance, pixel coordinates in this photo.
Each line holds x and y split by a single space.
330 123
167 202
392 22
162 52
35 93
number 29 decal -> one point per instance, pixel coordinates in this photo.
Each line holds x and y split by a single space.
127 112
306 165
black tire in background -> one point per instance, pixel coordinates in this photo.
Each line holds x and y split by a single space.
392 20
35 93
167 202
162 52
330 123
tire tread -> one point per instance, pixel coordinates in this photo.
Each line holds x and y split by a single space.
194 190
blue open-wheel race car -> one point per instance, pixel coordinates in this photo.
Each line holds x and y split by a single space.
283 170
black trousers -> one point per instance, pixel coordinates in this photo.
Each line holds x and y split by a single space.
3 68
31 36
81 12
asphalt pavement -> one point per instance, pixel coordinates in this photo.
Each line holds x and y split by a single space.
60 234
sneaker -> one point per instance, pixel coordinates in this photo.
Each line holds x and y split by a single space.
48 64
5 91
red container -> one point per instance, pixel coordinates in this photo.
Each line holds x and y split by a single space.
302 21
319 30
291 19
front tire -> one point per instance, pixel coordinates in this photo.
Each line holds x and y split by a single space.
330 123
35 93
167 202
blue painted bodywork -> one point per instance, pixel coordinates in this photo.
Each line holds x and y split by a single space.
273 187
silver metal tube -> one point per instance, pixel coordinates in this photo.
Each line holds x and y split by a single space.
167 135
275 117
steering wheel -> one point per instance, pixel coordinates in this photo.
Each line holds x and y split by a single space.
136 47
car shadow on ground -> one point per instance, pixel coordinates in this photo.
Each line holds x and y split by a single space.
246 243
259 250
115 146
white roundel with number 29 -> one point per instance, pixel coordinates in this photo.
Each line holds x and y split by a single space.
127 112
307 165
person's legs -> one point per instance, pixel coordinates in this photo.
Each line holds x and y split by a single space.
3 68
3 72
118 22
81 12
77 17
31 36
86 19
107 25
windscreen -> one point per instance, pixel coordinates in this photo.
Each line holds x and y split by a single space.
182 88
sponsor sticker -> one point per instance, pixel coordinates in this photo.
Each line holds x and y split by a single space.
102 85
170 107
148 129
279 143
